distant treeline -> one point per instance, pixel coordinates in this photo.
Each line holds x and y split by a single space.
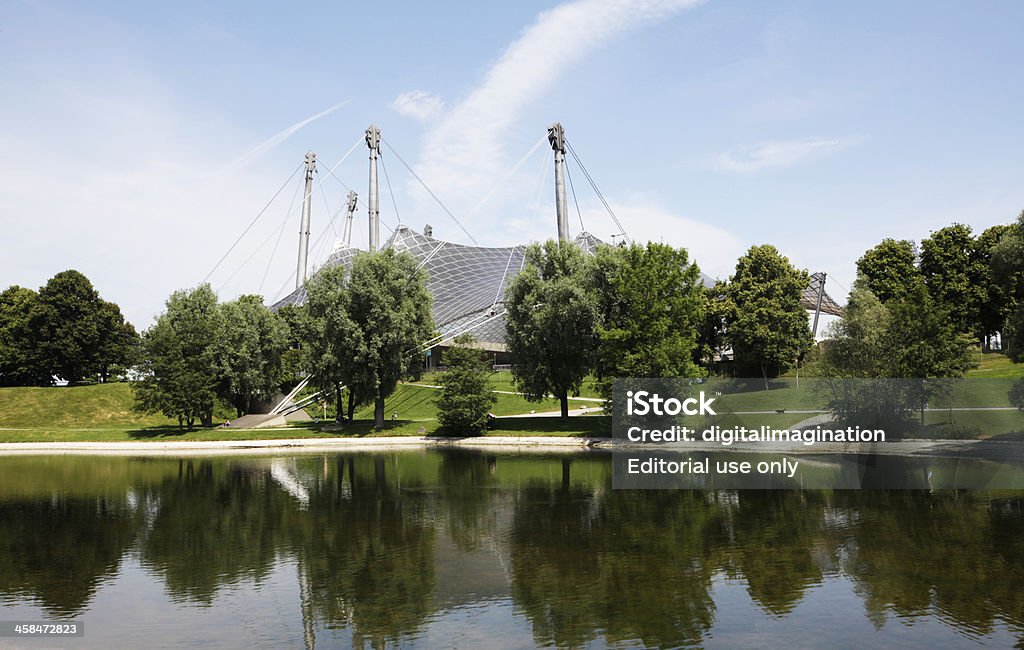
63 331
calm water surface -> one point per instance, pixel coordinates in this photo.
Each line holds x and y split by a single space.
430 549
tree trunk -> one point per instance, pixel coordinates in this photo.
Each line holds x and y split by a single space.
764 373
337 400
190 421
378 411
564 399
206 419
351 405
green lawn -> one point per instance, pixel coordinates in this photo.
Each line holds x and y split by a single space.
103 413
997 365
503 381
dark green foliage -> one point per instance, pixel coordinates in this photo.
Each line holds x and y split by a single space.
466 396
765 322
890 268
876 351
65 331
998 300
956 274
650 304
1016 395
365 324
19 358
711 328
551 322
249 349
334 342
179 372
922 340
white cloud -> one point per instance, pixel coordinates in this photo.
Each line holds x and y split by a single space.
778 153
281 136
464 154
419 105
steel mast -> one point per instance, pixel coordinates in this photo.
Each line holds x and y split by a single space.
347 238
373 142
307 201
556 136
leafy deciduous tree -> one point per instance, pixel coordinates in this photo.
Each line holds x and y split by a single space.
466 396
551 322
650 303
179 376
765 322
890 268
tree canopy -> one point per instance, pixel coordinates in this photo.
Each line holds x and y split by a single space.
890 268
179 372
765 321
551 322
64 331
466 397
650 303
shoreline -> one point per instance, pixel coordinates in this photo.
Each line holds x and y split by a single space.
984 449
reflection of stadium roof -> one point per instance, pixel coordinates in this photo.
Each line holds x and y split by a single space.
468 282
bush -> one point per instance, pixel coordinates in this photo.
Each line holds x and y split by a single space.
466 396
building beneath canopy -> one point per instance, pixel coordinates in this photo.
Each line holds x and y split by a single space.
468 285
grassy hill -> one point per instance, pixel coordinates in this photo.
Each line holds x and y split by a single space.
99 406
104 413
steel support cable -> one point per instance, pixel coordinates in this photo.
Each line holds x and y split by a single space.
359 199
387 180
607 207
469 215
434 196
252 223
279 231
575 200
273 253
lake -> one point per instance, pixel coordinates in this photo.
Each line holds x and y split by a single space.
434 549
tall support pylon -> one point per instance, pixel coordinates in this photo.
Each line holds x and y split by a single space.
307 203
556 136
373 142
351 210
817 307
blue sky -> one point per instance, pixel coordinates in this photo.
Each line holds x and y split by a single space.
137 140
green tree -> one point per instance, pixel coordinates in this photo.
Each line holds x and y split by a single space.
650 303
67 325
922 340
551 322
119 343
389 303
178 373
956 274
466 396
998 300
19 357
765 322
336 344
249 348
711 328
856 346
890 268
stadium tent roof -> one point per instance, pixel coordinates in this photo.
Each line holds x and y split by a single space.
468 282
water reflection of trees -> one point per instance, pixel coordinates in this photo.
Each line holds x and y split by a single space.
366 548
633 565
57 551
584 561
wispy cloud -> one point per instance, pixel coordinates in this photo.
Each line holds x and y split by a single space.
778 153
281 136
419 105
465 151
